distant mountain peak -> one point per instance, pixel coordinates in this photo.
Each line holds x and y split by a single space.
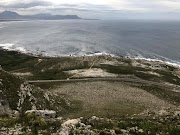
45 16
9 13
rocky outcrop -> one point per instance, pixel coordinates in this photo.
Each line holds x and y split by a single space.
43 113
71 123
25 90
4 107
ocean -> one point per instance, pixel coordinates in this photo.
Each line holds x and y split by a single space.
152 40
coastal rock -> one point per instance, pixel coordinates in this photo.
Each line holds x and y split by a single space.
177 113
26 92
43 113
125 132
70 123
94 118
4 107
162 112
140 131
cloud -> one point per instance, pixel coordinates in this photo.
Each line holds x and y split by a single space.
24 4
171 4
96 8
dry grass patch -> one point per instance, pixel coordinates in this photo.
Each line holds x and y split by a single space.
103 98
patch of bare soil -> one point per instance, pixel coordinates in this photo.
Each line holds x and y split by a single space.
23 74
94 72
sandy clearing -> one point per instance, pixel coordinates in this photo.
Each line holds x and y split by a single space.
23 74
150 73
94 72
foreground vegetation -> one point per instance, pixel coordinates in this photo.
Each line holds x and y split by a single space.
166 123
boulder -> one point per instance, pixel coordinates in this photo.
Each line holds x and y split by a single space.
71 122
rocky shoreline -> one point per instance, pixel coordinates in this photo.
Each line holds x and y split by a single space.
142 60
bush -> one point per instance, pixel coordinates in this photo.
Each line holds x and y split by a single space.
175 131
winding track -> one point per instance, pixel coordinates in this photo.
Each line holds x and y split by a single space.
109 79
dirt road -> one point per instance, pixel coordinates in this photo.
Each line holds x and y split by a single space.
109 79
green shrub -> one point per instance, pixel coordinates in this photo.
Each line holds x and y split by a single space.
175 131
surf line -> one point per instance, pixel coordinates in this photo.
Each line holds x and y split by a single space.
83 71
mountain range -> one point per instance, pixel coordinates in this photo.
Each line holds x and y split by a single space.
14 15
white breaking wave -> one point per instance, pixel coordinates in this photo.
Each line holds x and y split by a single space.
157 58
12 47
1 26
173 63
99 54
6 46
21 49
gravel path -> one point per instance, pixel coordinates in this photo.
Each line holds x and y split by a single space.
110 79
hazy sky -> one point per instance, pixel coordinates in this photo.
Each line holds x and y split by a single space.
102 9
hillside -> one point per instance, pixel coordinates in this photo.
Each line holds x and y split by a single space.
147 96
